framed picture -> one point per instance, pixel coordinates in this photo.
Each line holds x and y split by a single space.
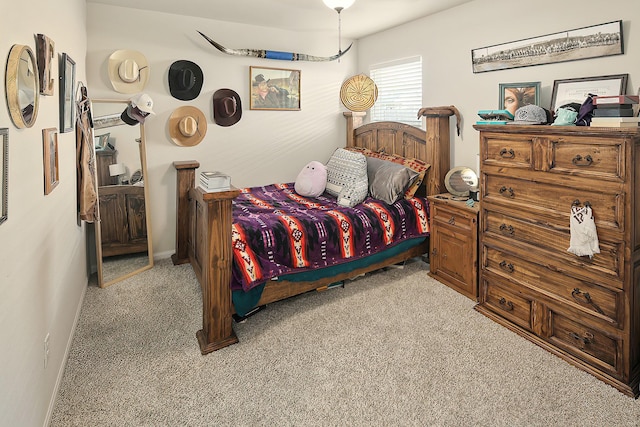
107 121
577 90
101 141
580 43
4 174
44 56
67 96
274 88
50 159
516 95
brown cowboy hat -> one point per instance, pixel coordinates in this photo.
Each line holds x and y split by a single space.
227 107
187 126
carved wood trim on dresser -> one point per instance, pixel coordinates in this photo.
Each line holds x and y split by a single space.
584 310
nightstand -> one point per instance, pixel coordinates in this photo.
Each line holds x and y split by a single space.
453 243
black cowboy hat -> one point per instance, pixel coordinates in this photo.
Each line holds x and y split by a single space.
227 107
185 80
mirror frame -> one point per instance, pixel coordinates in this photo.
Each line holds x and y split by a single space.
98 238
454 175
11 86
4 174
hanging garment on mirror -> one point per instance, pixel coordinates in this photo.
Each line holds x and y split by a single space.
85 160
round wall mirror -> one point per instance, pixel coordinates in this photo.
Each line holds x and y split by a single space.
459 181
22 86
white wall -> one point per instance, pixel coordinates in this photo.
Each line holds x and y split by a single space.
264 146
445 41
42 251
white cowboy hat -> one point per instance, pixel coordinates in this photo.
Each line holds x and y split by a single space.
187 126
128 71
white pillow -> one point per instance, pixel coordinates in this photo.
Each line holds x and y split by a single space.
347 177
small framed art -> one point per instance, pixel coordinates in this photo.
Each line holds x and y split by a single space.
67 96
4 173
274 88
577 90
44 56
50 159
516 95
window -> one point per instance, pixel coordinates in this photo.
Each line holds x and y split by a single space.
399 91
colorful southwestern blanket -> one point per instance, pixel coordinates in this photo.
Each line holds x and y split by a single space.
276 231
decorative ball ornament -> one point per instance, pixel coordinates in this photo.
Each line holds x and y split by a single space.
358 93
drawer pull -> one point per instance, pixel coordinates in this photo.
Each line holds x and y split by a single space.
507 267
452 220
434 252
507 229
578 160
586 339
506 305
507 154
584 297
509 191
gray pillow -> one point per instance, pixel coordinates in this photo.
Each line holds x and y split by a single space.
388 181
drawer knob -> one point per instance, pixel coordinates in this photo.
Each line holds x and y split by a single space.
452 220
507 229
508 267
578 160
586 339
507 154
585 298
506 305
507 192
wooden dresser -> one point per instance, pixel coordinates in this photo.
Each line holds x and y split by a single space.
453 244
585 310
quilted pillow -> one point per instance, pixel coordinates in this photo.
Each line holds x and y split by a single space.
415 164
388 181
347 177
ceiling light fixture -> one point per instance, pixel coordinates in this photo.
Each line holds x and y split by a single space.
339 6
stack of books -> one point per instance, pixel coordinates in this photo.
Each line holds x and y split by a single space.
215 181
615 111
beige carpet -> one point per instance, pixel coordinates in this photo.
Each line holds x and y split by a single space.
395 348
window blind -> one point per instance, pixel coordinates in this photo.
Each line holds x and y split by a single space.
399 91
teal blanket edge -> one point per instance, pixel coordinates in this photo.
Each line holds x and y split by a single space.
244 302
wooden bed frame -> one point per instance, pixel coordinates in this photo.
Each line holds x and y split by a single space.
204 220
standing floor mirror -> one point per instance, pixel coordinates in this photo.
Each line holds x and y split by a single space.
123 232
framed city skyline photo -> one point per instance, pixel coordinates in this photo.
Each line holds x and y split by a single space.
274 89
569 45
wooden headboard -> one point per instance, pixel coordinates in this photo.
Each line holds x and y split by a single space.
431 146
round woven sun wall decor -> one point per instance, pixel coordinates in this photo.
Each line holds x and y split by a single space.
359 93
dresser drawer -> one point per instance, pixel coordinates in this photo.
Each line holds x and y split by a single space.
554 201
599 158
608 264
587 343
506 302
508 152
601 302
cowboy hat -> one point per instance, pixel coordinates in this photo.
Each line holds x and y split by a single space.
140 106
128 71
227 107
185 80
187 126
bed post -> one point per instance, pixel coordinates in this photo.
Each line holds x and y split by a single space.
438 145
354 121
185 181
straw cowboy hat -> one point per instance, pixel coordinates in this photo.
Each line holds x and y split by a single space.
128 71
227 107
185 80
187 126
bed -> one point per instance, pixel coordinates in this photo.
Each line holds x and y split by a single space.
204 224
